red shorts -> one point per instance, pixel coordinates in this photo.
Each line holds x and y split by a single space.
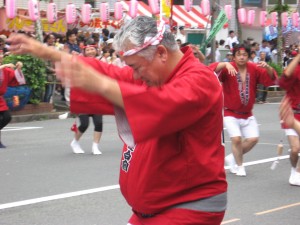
180 217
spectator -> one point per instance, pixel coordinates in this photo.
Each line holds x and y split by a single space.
232 38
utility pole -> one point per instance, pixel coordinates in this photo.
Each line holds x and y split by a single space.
279 33
214 14
238 25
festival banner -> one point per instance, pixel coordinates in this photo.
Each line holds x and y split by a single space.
217 26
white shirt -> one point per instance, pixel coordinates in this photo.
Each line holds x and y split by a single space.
181 37
230 40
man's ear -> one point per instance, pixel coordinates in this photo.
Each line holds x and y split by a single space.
162 52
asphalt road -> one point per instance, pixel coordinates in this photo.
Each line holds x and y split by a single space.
43 183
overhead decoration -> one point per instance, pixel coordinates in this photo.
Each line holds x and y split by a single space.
263 18
33 10
133 8
274 18
251 17
188 5
284 19
154 5
228 11
10 8
104 11
242 15
295 19
51 12
205 6
71 13
86 12
118 10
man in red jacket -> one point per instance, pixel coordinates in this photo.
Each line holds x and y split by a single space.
240 78
290 81
168 109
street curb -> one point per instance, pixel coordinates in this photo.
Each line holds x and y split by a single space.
36 117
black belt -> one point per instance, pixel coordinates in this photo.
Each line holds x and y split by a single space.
143 215
296 111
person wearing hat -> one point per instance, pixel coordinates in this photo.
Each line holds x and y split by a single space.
90 51
109 43
228 57
172 166
239 79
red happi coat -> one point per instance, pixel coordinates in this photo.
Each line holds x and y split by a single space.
292 86
172 134
7 78
239 99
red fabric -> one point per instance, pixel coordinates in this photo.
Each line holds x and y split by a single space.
180 217
83 102
232 100
7 79
292 86
179 155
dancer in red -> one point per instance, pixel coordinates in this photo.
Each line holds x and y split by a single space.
240 78
168 109
290 81
7 78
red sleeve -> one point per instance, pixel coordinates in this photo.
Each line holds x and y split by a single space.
213 66
11 79
159 111
288 82
89 103
264 78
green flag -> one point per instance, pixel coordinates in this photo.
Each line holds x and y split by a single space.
217 26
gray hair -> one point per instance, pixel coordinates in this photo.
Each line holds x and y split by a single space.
133 34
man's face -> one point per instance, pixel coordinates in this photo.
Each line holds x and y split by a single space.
2 44
262 55
72 38
232 34
264 44
241 57
257 47
90 52
150 72
51 40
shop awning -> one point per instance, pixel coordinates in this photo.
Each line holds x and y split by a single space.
143 8
192 19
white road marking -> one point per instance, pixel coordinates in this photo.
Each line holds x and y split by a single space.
56 197
262 161
230 221
107 188
19 128
277 209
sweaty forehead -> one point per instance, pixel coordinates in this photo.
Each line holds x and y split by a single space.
242 52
